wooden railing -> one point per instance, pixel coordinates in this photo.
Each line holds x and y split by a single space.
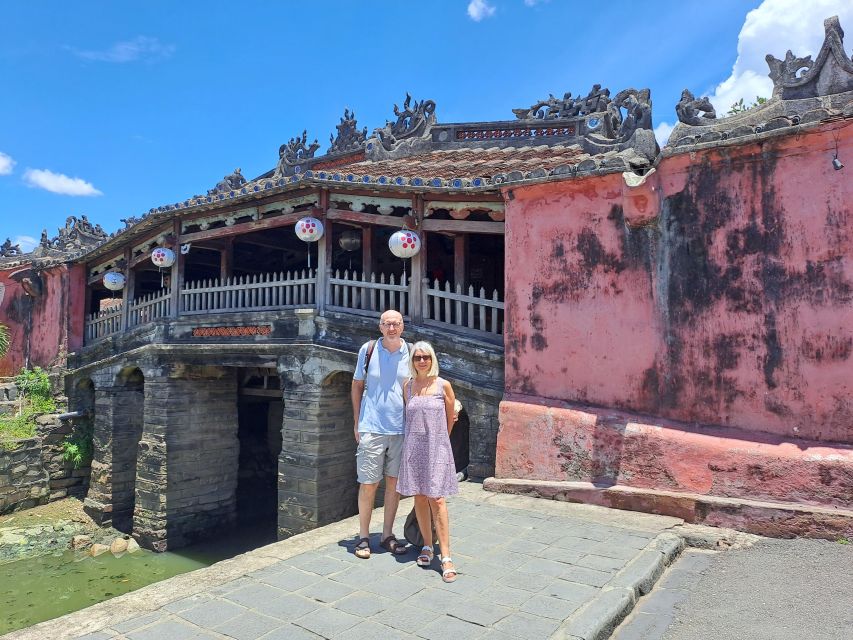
370 295
366 295
103 323
149 307
471 310
250 293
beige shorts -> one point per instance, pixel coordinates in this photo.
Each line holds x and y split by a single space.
377 456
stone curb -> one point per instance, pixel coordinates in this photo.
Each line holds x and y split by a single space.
598 619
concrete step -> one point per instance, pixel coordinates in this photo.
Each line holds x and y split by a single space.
772 519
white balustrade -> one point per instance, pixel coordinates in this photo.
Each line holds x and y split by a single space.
149 307
471 310
368 295
103 323
250 293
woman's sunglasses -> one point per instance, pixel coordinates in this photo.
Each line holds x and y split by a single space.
421 358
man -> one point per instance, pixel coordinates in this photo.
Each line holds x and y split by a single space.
377 406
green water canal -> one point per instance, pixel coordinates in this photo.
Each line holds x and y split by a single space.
37 589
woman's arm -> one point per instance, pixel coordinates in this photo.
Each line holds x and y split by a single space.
449 402
406 384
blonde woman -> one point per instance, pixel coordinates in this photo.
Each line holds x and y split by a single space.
427 470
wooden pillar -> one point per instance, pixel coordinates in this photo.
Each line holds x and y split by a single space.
460 260
226 259
419 263
416 286
177 277
324 267
127 292
367 250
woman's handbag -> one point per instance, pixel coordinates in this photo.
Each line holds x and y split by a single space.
412 532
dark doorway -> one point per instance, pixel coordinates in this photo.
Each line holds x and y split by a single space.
260 412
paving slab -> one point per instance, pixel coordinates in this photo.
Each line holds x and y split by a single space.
528 568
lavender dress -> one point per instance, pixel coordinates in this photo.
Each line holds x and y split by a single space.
427 467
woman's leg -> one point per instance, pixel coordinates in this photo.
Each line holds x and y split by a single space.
424 520
442 524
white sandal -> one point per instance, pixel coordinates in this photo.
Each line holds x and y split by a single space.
448 575
425 559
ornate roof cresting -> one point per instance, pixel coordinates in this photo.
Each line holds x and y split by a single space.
231 182
596 101
349 138
831 72
693 111
414 121
292 154
9 250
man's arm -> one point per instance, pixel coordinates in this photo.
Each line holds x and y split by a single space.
356 392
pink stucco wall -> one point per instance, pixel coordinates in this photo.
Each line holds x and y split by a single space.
732 306
45 327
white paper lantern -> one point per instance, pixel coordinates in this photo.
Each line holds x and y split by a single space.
309 229
162 257
114 281
404 243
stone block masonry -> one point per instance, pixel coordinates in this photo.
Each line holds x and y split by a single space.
188 457
23 481
317 462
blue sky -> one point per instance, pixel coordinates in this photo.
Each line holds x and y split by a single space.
111 108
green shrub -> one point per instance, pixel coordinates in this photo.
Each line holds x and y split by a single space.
35 399
4 340
33 382
77 448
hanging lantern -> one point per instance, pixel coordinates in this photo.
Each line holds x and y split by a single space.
350 240
404 243
162 257
114 281
309 229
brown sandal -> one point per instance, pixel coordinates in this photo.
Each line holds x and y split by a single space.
392 545
362 549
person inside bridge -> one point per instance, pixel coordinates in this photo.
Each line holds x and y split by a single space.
427 470
377 404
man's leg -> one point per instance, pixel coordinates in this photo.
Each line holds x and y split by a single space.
392 501
366 502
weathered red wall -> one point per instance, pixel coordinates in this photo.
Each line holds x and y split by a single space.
733 307
42 329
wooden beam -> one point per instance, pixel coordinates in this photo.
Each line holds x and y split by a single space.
226 259
462 226
245 227
460 260
418 265
127 294
176 280
367 249
364 218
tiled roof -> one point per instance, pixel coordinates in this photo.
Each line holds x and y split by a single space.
470 162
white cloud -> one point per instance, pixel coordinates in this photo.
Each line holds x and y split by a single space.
59 183
140 48
27 243
662 132
774 27
6 164
479 9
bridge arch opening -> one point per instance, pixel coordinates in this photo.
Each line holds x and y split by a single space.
127 423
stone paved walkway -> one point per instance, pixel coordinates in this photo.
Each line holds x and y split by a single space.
529 569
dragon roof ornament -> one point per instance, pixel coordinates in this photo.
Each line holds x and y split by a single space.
349 138
596 101
229 183
413 121
294 153
830 73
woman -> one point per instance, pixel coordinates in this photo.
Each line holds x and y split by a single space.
427 470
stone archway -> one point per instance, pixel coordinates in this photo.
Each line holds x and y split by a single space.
118 419
317 480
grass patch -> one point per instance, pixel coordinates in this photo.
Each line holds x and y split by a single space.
35 400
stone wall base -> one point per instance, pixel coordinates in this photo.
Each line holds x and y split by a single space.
715 475
773 519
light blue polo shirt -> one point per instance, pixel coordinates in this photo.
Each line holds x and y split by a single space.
382 402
